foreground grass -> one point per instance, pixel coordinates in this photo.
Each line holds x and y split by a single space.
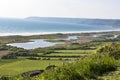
114 75
88 68
18 67
85 69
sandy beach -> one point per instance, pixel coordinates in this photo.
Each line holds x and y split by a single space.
45 33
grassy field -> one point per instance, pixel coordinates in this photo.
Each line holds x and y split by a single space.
75 51
14 67
2 62
66 54
18 67
22 64
72 53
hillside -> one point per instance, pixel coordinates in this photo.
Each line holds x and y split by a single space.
108 22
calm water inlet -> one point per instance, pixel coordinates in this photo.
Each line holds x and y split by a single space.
37 43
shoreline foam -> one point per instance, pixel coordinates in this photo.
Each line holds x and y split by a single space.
46 33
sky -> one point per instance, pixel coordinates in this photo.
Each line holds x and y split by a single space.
107 9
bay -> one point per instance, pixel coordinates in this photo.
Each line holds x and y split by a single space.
26 26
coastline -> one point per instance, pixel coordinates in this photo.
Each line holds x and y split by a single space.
47 33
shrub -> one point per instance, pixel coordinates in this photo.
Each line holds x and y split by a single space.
95 65
9 56
111 50
48 52
63 73
87 68
59 58
4 78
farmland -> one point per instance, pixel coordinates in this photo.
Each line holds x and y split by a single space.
14 67
18 67
15 61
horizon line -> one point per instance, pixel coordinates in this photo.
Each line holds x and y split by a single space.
60 17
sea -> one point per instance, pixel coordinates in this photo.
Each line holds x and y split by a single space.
10 26
43 26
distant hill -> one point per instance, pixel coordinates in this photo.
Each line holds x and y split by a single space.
107 22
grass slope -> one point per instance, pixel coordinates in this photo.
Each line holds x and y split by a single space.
19 67
114 75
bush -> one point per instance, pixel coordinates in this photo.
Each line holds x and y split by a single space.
4 78
48 52
44 58
63 73
88 68
26 54
59 58
9 56
111 50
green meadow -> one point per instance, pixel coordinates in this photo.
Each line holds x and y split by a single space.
72 53
17 67
14 67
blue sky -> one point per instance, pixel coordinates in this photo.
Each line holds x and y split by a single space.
60 8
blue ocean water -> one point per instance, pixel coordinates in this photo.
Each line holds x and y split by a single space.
33 26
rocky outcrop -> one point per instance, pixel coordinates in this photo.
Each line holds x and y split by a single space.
32 73
50 67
